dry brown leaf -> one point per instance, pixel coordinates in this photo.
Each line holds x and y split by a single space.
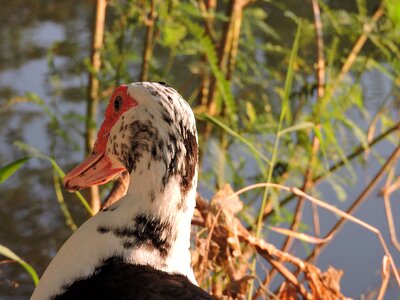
223 199
288 292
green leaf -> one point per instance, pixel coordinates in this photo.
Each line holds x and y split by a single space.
393 9
338 189
251 112
11 168
358 132
331 137
362 7
285 114
11 255
297 127
236 135
173 34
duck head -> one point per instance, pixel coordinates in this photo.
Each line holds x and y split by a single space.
148 130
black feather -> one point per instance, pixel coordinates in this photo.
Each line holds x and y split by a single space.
117 280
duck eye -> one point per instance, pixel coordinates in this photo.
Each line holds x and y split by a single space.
117 103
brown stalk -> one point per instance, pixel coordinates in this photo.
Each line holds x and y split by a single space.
93 91
367 27
148 46
205 8
349 217
237 24
320 50
388 189
393 157
306 185
227 50
261 288
224 47
385 277
344 215
320 95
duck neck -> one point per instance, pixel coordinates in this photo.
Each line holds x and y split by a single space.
154 220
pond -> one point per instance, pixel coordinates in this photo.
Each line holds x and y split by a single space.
31 222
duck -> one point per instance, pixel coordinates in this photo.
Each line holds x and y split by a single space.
139 246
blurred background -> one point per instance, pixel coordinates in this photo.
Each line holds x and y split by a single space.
301 93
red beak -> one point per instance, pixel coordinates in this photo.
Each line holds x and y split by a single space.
96 169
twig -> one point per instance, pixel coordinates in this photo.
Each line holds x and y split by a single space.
261 288
388 189
95 60
358 45
353 219
227 48
93 90
359 199
148 46
307 184
320 94
359 150
320 50
268 251
237 24
210 233
385 278
342 214
208 19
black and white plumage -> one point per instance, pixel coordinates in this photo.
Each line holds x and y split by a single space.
138 248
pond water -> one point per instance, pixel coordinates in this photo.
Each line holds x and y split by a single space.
31 222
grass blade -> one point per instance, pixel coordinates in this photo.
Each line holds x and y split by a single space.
297 127
60 199
36 153
10 169
236 135
11 255
285 113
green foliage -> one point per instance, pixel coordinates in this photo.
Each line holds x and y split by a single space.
393 9
11 168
